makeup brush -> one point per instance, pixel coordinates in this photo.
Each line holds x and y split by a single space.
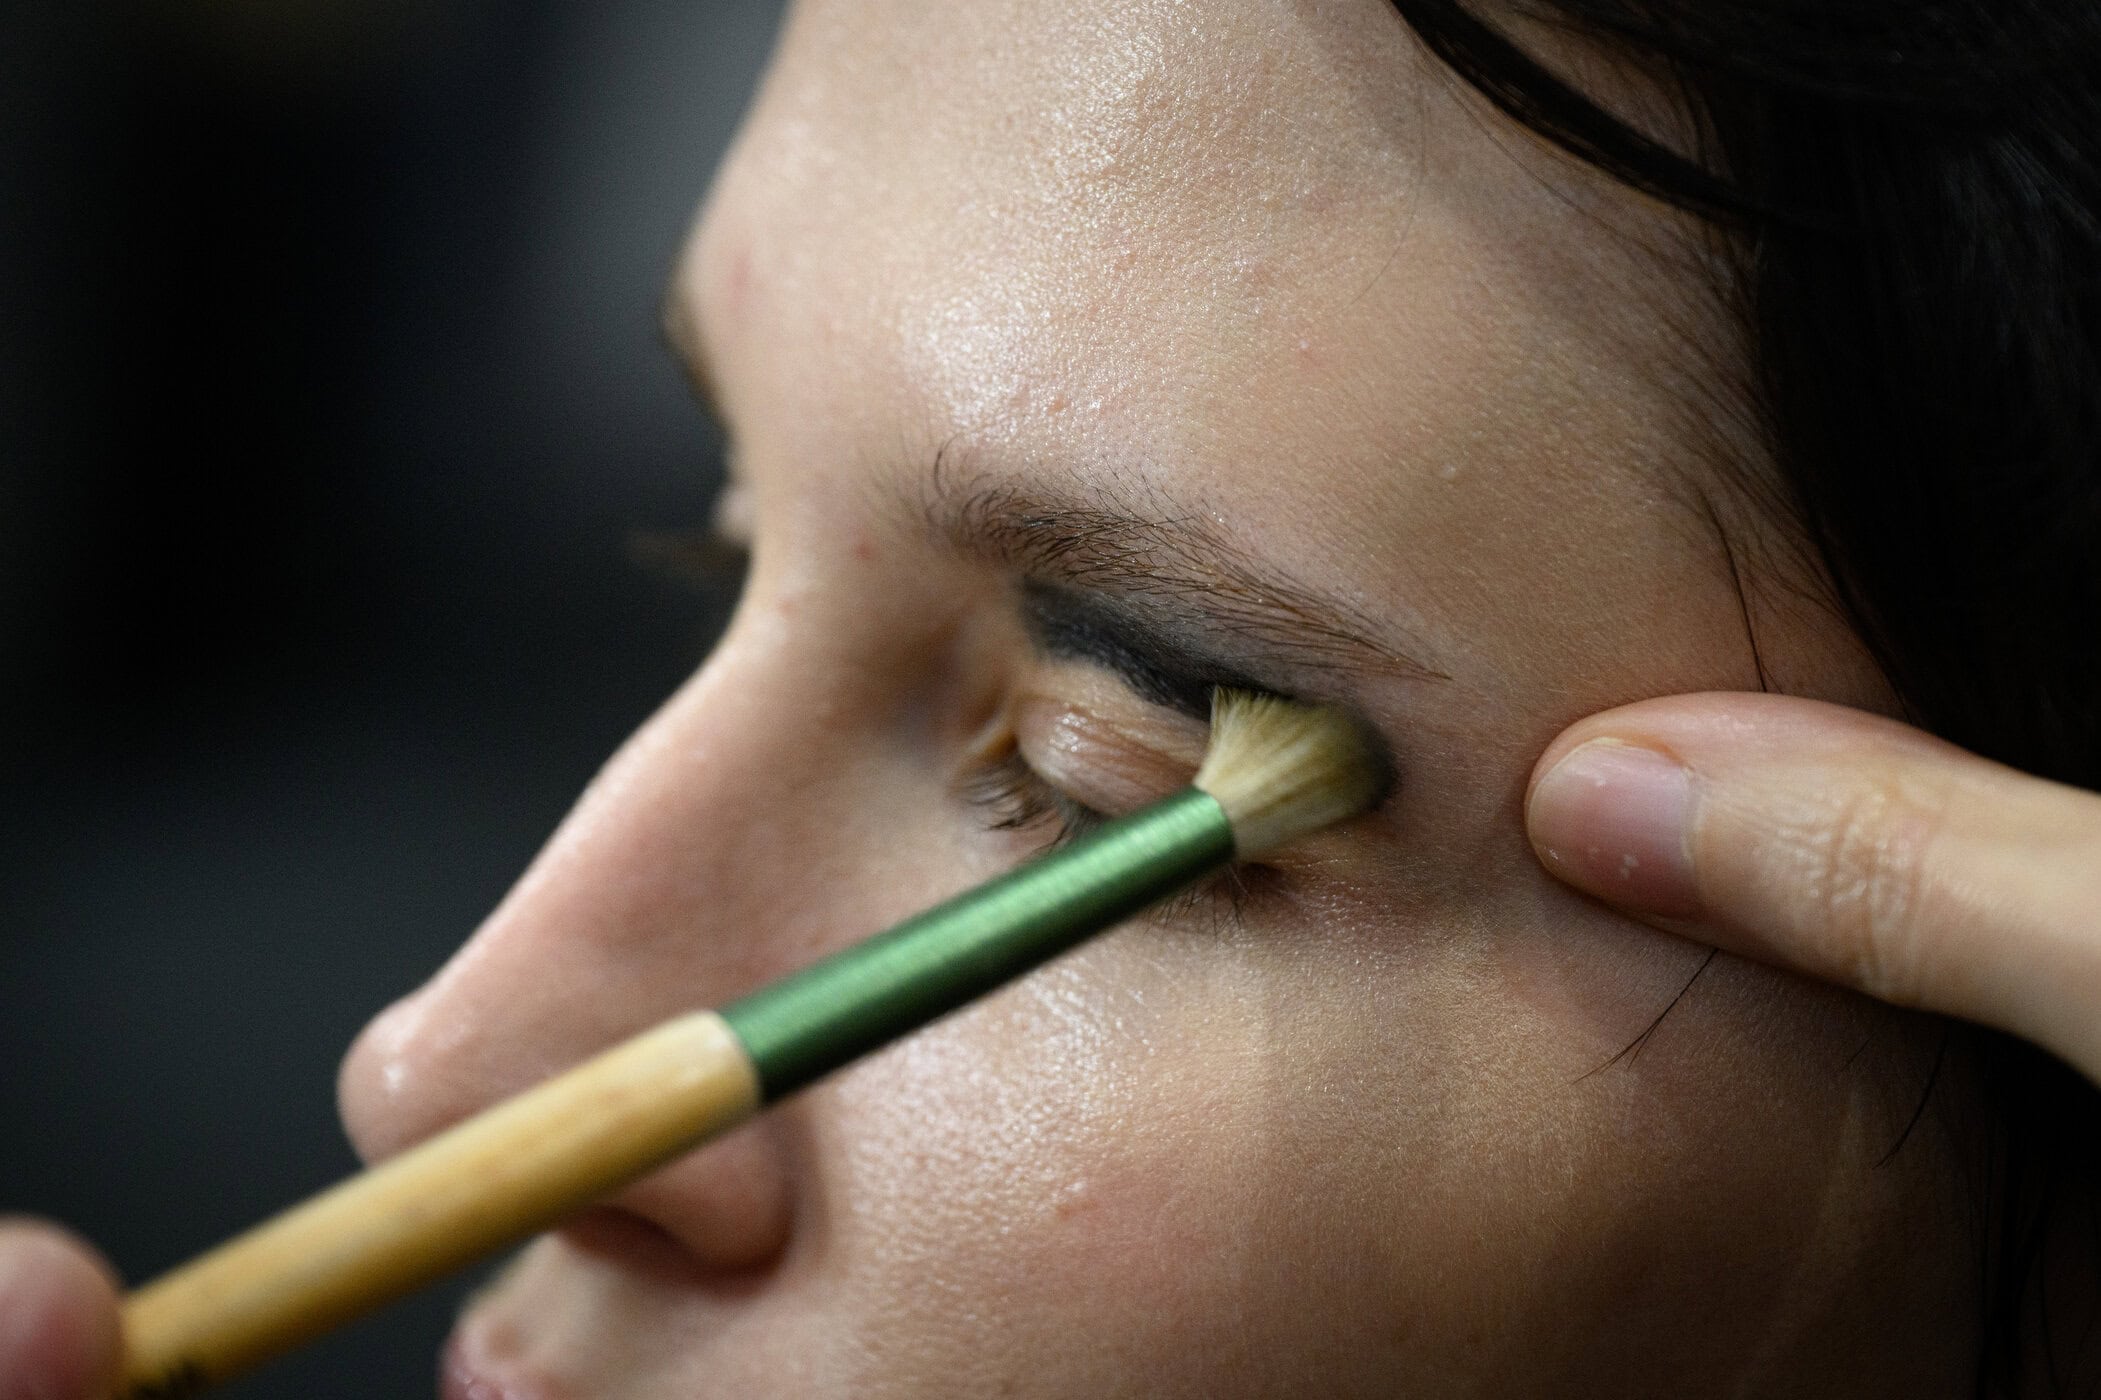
1273 772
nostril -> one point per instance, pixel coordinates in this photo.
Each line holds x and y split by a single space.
630 1242
727 1208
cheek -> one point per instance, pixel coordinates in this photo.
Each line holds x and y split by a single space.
1221 1160
1047 1133
1101 1174
1210 1159
1531 1203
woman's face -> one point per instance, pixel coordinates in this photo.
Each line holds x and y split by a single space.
1078 357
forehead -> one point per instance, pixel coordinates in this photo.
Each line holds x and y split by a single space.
1146 110
1013 193
1012 210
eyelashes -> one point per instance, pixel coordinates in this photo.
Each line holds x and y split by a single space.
1008 794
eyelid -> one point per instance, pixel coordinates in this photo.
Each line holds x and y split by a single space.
1114 755
1071 625
1113 765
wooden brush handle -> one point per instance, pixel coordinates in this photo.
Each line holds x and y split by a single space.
483 1184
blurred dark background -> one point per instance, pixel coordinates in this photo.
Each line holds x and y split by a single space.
331 406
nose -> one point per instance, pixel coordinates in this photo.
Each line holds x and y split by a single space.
679 881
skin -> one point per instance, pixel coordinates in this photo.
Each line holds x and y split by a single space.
1368 1129
1275 274
1221 1153
58 1315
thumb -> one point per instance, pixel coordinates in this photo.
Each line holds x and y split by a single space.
1843 845
58 1316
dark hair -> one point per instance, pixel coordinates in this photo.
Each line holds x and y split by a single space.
1912 196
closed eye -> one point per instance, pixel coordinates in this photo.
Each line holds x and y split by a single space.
1012 796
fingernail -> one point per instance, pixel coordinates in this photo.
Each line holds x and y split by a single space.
1614 819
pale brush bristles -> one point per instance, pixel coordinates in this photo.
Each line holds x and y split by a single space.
1281 770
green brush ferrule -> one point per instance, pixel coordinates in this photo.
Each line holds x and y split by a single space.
806 1025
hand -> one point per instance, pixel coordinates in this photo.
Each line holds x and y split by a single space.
58 1316
1843 845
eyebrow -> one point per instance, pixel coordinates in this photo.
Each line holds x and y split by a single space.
1158 593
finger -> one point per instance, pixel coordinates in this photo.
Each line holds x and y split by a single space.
58 1316
1841 844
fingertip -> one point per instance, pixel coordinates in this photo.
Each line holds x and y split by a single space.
59 1334
1614 819
1653 724
1622 791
